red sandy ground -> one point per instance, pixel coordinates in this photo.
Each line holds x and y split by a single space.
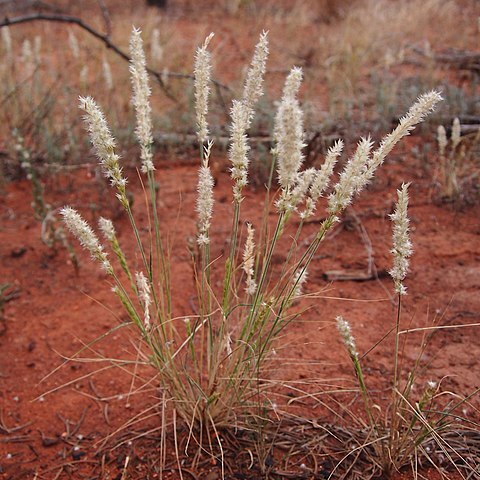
56 312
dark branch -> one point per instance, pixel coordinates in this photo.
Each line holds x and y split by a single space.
464 60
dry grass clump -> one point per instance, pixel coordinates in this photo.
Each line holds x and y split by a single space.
211 363
458 160
379 33
367 56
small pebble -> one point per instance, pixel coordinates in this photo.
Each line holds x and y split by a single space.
77 454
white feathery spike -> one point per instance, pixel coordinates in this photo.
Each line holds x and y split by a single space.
202 73
141 100
402 246
85 235
346 333
103 142
145 296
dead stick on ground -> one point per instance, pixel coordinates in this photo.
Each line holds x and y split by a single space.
6 430
465 60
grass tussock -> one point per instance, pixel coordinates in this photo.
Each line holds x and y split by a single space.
458 161
211 364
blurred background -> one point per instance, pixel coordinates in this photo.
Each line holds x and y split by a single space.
364 62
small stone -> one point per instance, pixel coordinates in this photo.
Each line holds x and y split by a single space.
18 252
77 454
49 441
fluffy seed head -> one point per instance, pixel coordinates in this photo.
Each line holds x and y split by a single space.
424 105
402 247
202 73
431 385
322 178
103 143
253 89
140 99
107 228
85 236
291 198
346 333
204 205
242 114
145 297
293 83
239 148
361 168
288 132
456 133
442 139
352 179
249 261
299 280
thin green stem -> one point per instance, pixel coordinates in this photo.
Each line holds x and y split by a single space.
394 418
230 264
161 258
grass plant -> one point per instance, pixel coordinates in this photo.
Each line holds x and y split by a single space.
412 425
211 363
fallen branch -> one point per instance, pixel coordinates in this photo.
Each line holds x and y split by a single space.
256 138
353 275
461 59
173 139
